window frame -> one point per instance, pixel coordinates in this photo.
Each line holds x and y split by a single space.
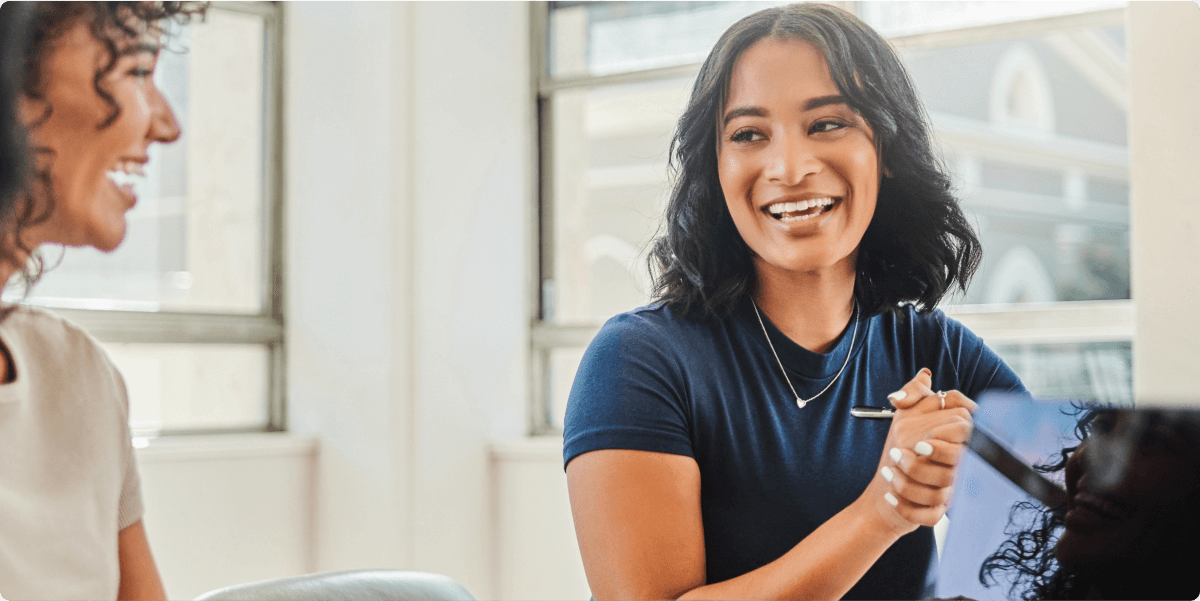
266 327
1034 323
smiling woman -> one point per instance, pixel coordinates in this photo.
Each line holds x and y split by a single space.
709 443
72 503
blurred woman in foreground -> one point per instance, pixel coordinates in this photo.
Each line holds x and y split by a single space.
69 491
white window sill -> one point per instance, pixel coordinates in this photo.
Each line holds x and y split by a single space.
223 446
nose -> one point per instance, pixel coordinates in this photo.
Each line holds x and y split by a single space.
790 160
164 127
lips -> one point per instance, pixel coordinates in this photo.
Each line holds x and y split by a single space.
1088 511
125 175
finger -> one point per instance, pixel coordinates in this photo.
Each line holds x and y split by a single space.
912 391
920 469
913 491
916 514
944 453
955 398
928 473
956 432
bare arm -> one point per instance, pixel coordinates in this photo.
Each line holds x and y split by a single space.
139 574
637 518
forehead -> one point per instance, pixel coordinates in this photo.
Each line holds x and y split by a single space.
779 70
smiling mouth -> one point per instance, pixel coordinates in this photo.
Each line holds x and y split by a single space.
1101 507
126 173
800 210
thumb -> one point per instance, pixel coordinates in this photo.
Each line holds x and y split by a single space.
913 391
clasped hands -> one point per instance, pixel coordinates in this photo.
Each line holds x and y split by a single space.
928 435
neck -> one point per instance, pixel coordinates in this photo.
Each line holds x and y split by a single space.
811 308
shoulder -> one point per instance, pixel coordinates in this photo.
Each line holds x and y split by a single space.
653 328
55 344
930 328
49 329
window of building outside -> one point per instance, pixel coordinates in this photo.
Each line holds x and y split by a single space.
1029 104
187 306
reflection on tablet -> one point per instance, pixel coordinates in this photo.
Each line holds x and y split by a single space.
1129 523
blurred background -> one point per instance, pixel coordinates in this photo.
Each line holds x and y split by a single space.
354 295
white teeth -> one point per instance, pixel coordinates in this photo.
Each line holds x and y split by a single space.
780 208
126 173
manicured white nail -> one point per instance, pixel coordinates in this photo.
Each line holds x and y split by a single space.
891 499
896 455
887 474
923 449
950 490
898 395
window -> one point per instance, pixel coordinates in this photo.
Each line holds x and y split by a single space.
188 306
1028 102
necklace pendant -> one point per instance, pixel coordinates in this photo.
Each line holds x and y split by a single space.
801 402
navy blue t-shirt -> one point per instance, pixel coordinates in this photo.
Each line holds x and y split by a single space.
770 472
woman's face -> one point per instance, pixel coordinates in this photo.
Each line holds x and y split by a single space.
90 165
1132 485
799 168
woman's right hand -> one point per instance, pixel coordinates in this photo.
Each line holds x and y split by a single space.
915 477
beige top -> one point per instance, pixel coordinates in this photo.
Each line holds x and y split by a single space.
68 482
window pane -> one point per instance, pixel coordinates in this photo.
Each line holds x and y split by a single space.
614 37
193 386
195 241
610 187
1093 371
906 18
1034 130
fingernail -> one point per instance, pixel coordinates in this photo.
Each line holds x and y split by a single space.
887 474
898 395
923 449
896 455
949 489
891 499
926 370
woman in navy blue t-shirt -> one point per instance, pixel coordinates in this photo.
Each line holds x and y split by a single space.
710 448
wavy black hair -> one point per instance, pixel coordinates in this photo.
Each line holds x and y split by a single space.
919 243
15 21
36 27
1027 559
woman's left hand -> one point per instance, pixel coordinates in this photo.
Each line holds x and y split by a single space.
923 449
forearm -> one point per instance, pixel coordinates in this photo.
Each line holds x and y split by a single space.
825 565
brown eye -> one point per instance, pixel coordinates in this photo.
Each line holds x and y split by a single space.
745 135
825 126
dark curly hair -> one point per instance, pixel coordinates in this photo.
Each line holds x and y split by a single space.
919 243
1027 559
37 26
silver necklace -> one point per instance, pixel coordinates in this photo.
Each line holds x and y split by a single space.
799 401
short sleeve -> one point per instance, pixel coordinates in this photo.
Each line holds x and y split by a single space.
977 367
130 508
629 393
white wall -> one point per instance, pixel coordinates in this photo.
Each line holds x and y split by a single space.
1164 146
408 162
227 509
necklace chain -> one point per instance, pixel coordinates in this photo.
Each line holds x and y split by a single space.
799 401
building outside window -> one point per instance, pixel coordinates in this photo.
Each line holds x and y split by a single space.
1029 103
188 306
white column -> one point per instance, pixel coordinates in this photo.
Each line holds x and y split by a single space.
1164 126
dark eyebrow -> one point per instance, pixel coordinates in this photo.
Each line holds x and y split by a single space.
743 111
143 47
754 111
820 101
